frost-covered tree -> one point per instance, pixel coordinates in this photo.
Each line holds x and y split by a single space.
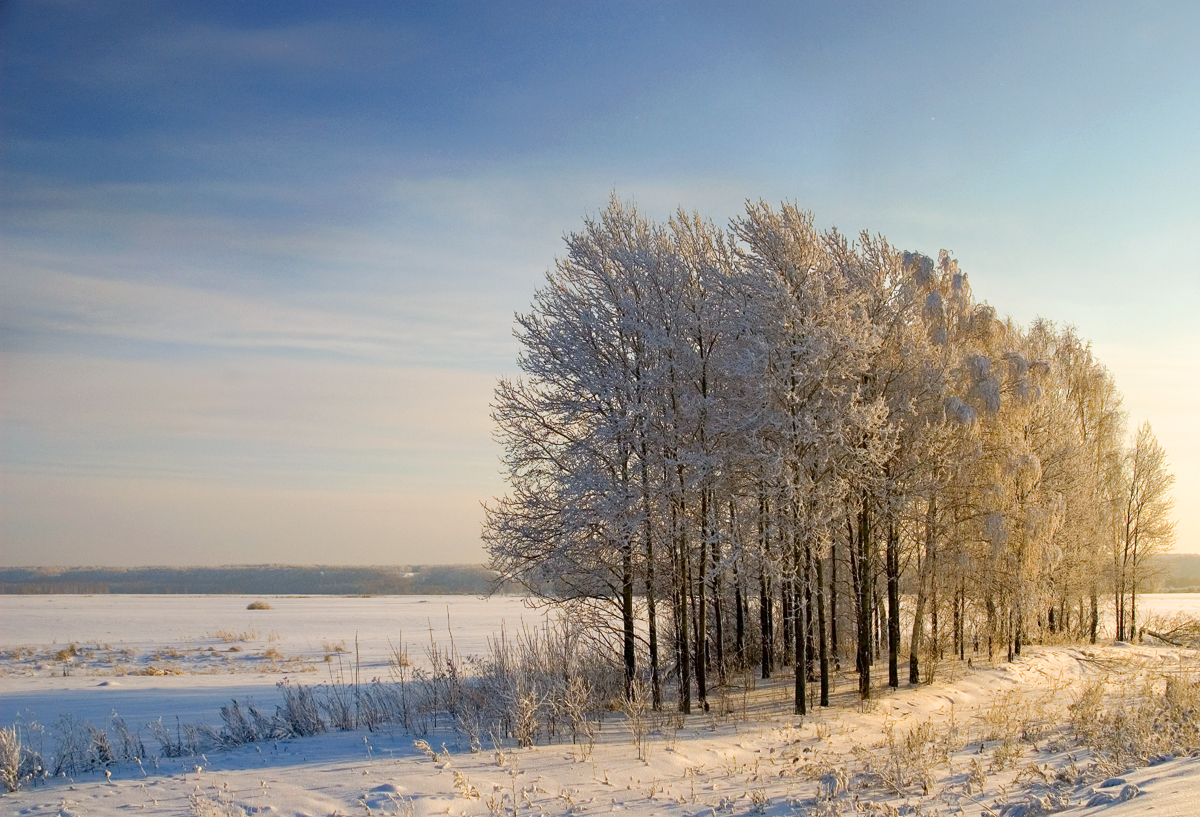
1089 392
1144 524
573 428
776 424
831 441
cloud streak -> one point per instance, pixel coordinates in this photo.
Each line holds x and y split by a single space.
418 330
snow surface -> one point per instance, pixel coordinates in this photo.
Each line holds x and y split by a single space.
754 759
218 648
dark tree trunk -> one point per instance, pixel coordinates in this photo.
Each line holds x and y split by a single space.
833 602
765 599
718 612
856 592
627 615
681 611
798 627
700 650
893 591
1094 624
787 613
810 652
866 596
739 604
651 602
1018 632
821 640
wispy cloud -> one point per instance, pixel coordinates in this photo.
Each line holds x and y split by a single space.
423 329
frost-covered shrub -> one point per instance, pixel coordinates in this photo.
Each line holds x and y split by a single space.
10 759
129 746
20 755
340 705
238 728
547 683
82 746
1159 717
300 710
168 746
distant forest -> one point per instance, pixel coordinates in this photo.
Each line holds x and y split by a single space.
379 580
1175 573
1178 573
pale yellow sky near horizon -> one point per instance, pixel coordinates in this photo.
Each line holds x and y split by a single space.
395 474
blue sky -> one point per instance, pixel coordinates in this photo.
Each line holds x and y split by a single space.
259 260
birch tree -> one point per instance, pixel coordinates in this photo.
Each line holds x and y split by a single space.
1145 524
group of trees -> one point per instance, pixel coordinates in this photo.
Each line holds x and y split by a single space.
750 442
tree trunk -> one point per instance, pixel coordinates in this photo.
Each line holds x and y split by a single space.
681 613
718 613
923 568
809 619
865 596
935 647
893 591
627 631
739 603
788 614
700 650
1019 631
801 692
765 599
1133 636
821 641
651 604
852 551
627 614
833 602
1094 624
961 608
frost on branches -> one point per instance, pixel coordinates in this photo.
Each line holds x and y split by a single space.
751 446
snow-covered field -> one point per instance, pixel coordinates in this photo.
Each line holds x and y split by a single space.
150 656
983 741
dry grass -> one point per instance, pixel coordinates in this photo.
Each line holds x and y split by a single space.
911 757
10 759
1132 716
217 804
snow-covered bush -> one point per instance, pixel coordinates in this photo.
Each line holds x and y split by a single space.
1147 718
82 746
10 758
301 710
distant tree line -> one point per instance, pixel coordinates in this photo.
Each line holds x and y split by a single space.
1175 573
257 580
745 443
